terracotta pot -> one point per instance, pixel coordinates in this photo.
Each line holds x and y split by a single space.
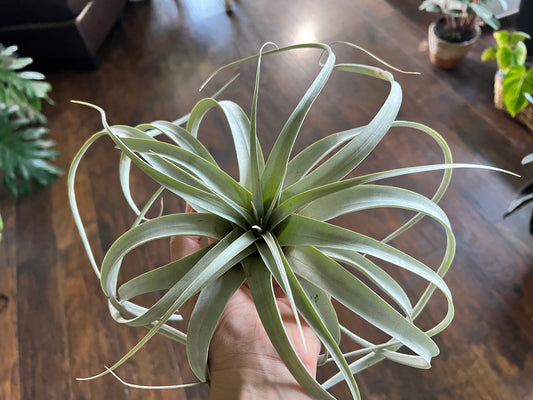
445 54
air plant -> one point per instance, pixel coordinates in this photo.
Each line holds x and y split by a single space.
270 223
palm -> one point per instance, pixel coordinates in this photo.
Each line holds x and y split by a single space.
240 336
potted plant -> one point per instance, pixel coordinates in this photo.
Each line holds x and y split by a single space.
513 80
270 224
451 37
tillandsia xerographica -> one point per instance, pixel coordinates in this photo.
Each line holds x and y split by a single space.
270 224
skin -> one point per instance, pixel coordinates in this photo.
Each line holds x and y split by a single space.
243 363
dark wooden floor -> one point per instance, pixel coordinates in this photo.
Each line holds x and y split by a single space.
54 324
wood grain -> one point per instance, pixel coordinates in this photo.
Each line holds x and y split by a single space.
9 366
54 322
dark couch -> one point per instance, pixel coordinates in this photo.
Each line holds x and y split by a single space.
69 30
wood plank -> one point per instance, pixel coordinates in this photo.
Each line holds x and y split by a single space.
41 320
9 355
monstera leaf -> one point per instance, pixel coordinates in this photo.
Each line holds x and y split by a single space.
24 152
24 149
26 89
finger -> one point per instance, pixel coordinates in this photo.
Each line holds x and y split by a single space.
181 246
188 209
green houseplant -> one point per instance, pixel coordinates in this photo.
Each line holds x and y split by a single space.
513 80
451 37
270 223
25 149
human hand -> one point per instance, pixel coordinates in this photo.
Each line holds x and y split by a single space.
243 363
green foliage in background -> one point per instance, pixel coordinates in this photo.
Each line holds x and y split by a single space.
25 150
510 53
509 50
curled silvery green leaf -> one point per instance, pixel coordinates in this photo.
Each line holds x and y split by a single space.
271 224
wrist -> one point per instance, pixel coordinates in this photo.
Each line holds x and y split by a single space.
267 381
